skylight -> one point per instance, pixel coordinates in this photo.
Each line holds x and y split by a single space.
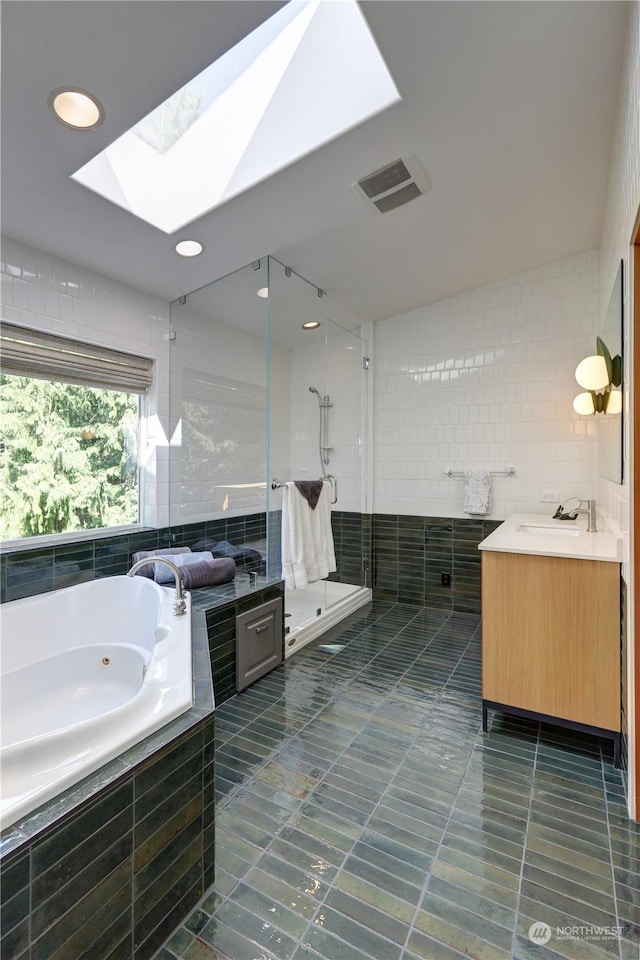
302 78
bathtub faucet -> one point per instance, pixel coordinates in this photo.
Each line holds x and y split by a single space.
180 603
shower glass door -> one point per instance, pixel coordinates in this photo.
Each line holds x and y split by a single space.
318 401
219 423
267 384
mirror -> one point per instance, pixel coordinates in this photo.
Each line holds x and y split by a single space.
610 426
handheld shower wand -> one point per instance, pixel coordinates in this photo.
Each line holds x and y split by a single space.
323 440
323 447
323 401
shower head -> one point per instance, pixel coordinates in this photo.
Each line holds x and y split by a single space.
323 401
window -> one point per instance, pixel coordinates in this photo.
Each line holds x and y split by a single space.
306 75
69 427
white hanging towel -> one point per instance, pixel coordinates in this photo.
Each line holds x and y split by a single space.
477 491
307 540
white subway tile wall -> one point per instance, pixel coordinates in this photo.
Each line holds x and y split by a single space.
45 293
485 380
187 474
332 364
481 380
219 417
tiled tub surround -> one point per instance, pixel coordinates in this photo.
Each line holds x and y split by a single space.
107 868
87 673
362 814
213 665
134 842
25 571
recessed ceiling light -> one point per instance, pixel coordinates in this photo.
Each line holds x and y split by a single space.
76 108
263 292
189 248
311 325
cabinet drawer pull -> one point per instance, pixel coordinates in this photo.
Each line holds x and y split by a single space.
262 629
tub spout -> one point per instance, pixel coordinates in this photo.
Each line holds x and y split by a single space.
180 603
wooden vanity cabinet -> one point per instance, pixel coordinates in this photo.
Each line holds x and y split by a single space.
551 638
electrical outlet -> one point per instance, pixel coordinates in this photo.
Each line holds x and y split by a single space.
549 496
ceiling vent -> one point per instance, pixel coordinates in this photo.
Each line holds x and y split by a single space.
393 185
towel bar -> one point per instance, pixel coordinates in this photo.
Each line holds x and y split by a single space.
278 484
507 472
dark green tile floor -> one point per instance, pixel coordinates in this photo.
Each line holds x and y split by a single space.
363 814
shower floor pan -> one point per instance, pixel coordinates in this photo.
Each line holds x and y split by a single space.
335 601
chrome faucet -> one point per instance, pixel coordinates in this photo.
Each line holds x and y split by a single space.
572 514
591 515
180 602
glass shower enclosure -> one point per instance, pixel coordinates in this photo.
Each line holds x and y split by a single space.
218 422
268 384
319 428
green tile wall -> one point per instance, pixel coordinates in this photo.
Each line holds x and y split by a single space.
351 540
15 897
24 573
410 555
352 543
401 557
114 879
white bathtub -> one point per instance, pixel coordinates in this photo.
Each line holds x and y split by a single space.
87 672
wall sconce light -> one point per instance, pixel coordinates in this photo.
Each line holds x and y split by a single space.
598 375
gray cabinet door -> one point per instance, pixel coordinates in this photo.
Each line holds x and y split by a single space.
259 642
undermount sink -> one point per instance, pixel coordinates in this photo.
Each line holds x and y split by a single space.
548 530
545 536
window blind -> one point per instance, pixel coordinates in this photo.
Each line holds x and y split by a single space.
32 353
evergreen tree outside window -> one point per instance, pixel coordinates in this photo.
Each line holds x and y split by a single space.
68 450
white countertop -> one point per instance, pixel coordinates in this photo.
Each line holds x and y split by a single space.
537 534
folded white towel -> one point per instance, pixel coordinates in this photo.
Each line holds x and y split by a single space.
164 574
308 552
477 491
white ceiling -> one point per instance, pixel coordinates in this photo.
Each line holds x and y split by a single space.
509 106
